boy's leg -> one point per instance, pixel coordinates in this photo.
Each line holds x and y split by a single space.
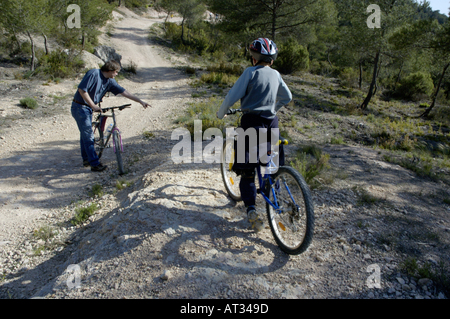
247 187
248 194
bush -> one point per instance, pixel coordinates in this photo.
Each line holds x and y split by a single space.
82 214
206 112
292 57
348 77
416 86
221 79
29 103
321 68
310 161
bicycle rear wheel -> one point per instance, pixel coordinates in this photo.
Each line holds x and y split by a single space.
118 150
292 224
230 178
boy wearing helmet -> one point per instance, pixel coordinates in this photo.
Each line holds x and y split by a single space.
262 92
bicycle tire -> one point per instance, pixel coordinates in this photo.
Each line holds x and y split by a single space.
118 151
98 139
230 178
293 225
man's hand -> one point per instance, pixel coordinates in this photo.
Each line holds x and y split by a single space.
217 114
145 105
130 96
96 108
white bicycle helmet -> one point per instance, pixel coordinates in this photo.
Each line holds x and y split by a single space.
263 49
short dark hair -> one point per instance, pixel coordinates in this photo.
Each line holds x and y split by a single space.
111 65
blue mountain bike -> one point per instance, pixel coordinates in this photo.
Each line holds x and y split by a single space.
289 204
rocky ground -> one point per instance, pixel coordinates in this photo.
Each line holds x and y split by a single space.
168 230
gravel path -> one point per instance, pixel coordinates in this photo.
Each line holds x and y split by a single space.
168 230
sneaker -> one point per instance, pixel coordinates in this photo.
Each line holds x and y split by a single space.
255 221
99 168
86 163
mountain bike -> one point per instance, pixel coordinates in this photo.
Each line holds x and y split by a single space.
102 138
289 204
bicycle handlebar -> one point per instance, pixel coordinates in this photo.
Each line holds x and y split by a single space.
233 111
116 107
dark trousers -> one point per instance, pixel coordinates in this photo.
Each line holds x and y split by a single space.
247 168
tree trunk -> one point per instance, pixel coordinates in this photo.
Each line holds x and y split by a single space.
328 59
33 53
373 83
398 76
182 32
435 94
378 73
360 74
45 44
274 23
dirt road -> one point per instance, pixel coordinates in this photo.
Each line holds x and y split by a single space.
172 232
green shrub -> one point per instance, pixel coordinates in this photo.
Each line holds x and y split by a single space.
219 78
83 214
97 190
292 57
59 64
416 86
322 68
29 103
206 112
225 67
348 77
310 161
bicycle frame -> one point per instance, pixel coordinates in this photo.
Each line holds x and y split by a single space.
268 179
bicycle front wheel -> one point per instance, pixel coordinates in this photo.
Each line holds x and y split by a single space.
292 224
118 150
230 178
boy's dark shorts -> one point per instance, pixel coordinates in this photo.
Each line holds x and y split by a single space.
257 122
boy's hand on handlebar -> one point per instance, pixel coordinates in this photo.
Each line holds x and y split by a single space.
96 108
217 114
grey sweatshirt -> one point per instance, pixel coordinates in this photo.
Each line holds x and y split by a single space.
261 91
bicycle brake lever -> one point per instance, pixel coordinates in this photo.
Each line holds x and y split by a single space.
124 107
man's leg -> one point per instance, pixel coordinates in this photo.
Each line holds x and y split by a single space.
83 117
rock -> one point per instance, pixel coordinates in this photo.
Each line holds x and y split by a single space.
406 287
106 54
91 61
424 282
167 274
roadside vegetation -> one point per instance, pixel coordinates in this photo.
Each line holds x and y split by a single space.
332 104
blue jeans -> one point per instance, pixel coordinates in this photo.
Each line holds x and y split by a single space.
83 116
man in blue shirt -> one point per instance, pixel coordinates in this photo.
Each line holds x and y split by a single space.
95 84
